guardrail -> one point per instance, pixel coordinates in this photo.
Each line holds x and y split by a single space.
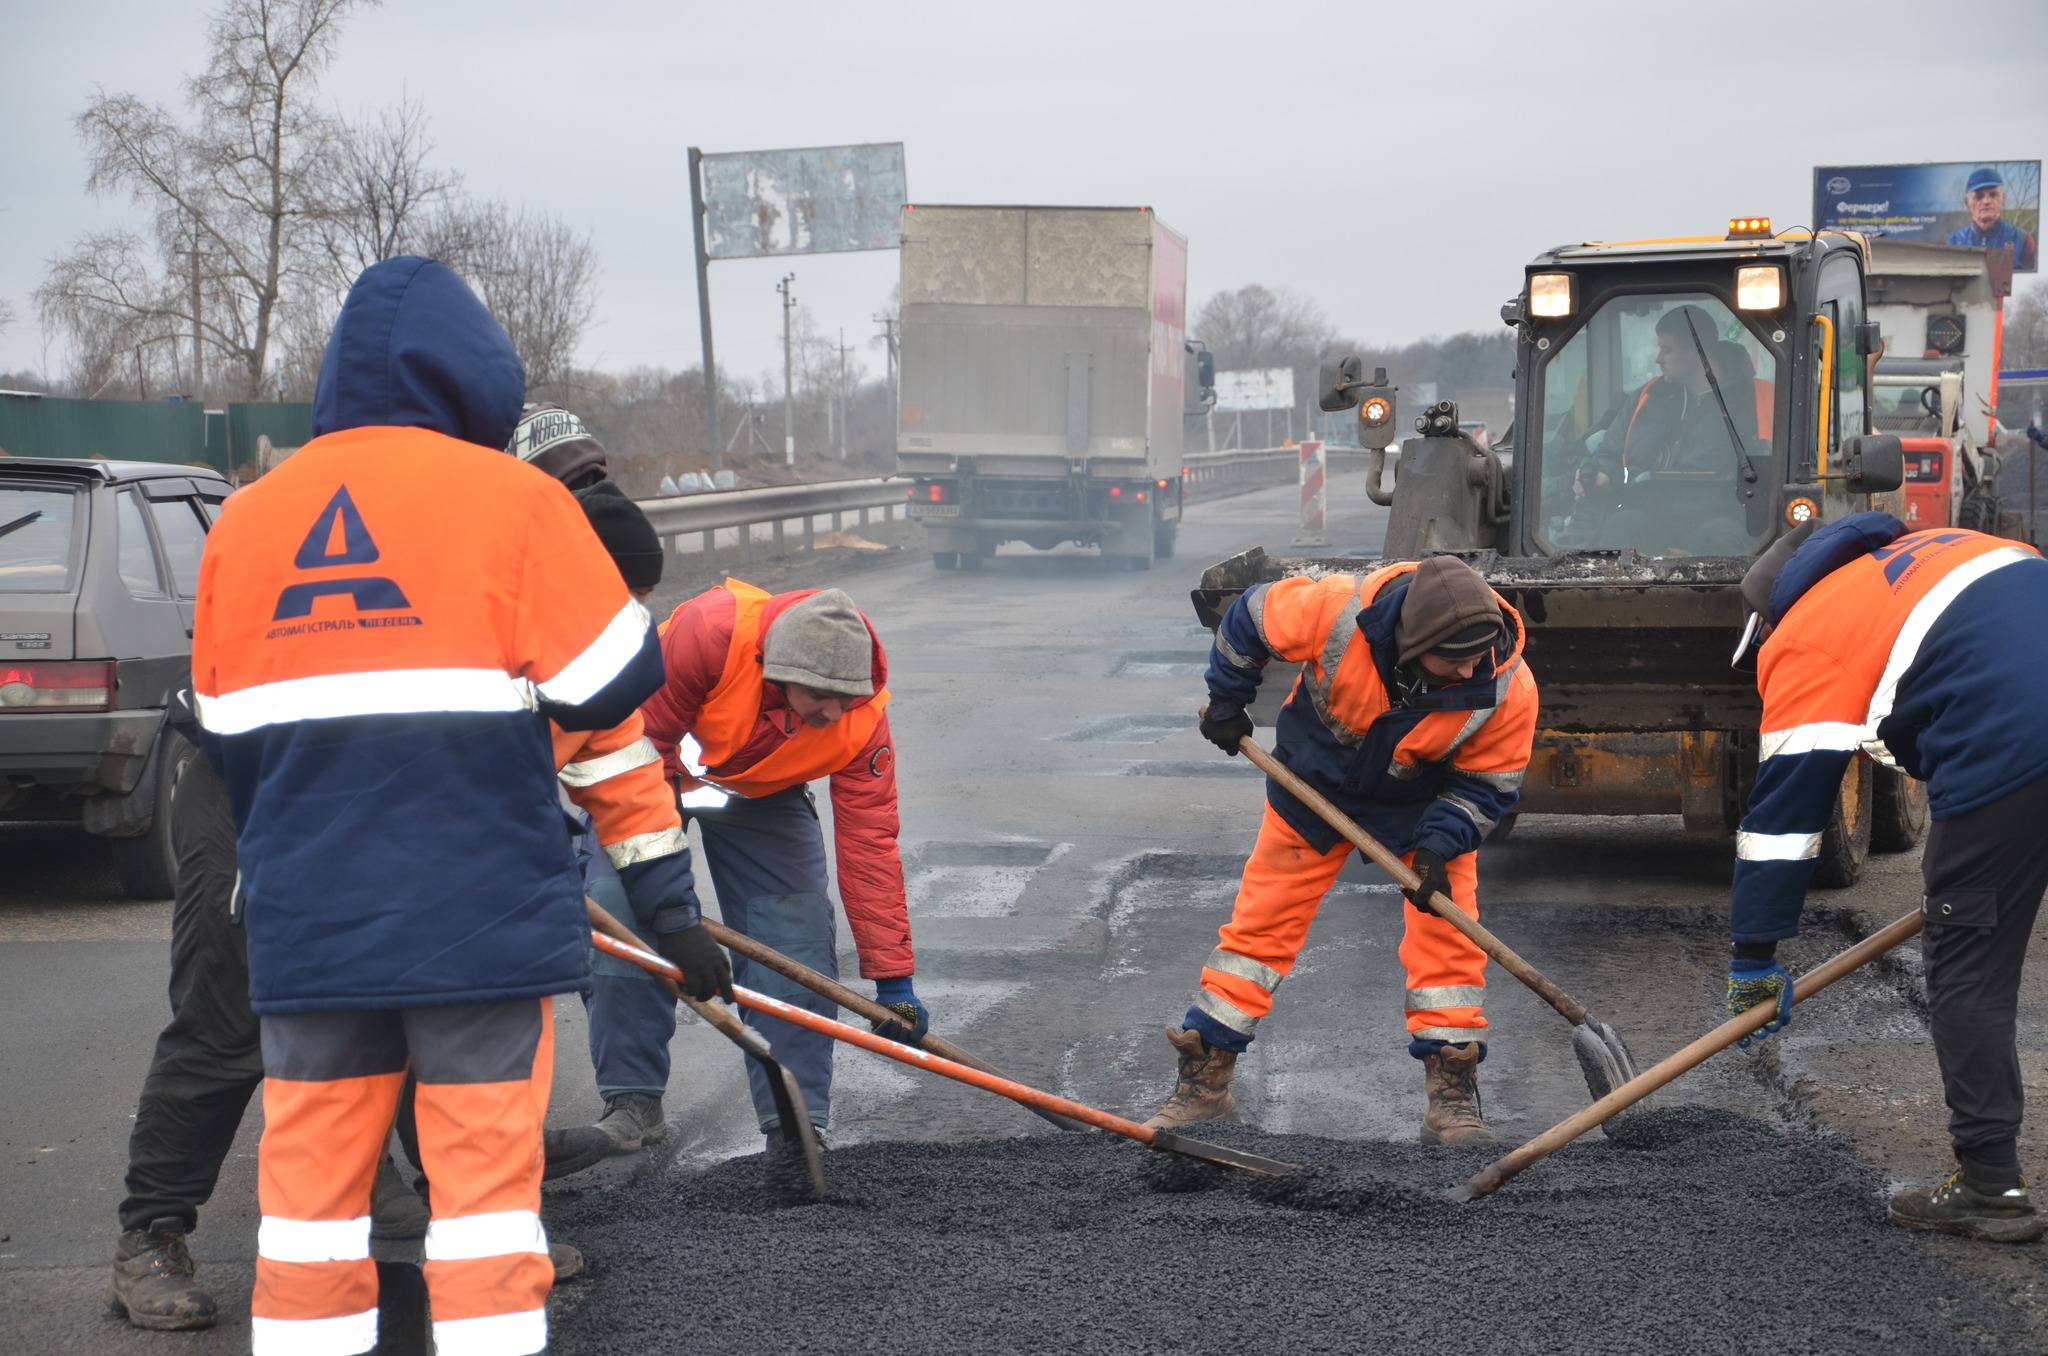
777 506
792 510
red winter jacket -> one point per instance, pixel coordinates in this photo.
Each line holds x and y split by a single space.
696 640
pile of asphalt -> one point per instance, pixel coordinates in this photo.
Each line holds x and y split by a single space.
1695 1231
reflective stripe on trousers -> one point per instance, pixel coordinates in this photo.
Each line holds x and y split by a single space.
484 1071
1283 885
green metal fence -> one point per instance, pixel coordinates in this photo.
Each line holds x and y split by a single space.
176 431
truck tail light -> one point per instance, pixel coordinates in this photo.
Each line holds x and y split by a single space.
1116 492
58 686
1162 484
1141 496
936 493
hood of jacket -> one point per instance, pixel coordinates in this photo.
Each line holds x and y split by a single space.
414 348
1828 550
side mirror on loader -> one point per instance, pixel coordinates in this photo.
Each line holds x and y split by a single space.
1336 385
1877 463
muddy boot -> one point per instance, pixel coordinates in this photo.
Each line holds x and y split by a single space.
567 1261
632 1119
1451 1077
571 1149
1993 1213
396 1210
153 1285
1203 1090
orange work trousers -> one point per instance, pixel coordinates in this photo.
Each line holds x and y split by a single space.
1283 886
330 1092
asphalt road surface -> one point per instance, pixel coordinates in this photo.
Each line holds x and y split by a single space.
1072 844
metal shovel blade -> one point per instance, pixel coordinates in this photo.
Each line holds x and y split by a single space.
1164 1141
1603 1058
796 1127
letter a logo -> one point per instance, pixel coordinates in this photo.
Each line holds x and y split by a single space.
338 536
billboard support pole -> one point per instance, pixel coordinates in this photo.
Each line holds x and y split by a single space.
704 306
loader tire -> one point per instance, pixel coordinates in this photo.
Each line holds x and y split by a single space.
1978 512
1898 811
1845 843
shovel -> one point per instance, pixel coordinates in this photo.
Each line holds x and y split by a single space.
1161 1140
1490 1178
854 1001
1603 1058
790 1111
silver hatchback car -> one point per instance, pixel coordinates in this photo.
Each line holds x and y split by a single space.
99 570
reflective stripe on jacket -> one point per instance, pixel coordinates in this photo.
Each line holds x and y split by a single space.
386 624
751 743
1437 771
1922 650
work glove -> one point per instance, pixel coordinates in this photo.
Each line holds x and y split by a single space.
900 998
1756 980
706 969
1224 725
1433 878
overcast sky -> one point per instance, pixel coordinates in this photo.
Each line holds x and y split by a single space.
1397 162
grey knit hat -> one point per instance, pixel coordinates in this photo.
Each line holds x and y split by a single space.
821 643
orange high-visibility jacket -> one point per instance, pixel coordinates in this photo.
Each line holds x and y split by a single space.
751 744
1436 770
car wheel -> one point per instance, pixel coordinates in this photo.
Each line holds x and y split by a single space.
147 863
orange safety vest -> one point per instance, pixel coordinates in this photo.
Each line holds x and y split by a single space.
728 716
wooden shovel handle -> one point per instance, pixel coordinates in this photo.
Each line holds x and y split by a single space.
1574 1011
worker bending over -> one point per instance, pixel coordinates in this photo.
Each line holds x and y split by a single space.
762 696
1414 714
386 624
1924 650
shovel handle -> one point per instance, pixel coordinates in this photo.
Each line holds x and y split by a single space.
1489 1179
720 1018
854 1001
1573 1010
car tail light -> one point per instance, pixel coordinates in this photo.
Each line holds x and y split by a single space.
69 686
936 493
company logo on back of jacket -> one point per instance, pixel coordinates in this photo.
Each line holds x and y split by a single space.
387 622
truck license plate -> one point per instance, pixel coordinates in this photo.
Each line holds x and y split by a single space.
936 510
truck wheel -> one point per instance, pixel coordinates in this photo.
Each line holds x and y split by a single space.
1503 828
1845 843
1140 562
1162 538
946 560
1978 512
147 864
1898 811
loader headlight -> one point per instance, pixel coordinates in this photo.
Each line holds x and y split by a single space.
1759 287
1550 295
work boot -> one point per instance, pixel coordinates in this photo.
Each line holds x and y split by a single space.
1202 1092
1956 1207
572 1149
776 1143
396 1210
632 1119
1451 1077
568 1262
153 1285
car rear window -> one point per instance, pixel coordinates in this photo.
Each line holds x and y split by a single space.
38 546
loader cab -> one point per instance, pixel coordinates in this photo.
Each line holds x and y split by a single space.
1688 398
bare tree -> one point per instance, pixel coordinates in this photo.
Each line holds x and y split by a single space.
1256 326
2025 344
6 315
234 197
379 192
534 272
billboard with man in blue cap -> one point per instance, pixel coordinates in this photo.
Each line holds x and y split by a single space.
1984 204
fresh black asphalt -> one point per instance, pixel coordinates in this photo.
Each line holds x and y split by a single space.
1696 1231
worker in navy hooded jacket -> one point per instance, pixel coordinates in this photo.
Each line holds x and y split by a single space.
386 625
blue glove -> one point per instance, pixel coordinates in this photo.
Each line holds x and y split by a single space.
897 996
1753 982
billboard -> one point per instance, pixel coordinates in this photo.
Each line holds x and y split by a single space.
1986 204
817 200
1264 388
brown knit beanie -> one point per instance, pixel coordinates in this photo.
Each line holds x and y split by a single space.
821 643
1449 611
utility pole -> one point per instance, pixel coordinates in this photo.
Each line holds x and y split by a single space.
844 436
198 361
704 304
888 324
788 372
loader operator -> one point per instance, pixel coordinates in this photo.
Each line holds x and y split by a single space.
763 695
386 625
1923 650
1673 421
1414 714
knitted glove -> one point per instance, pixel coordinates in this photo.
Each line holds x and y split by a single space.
899 997
1755 981
1224 725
